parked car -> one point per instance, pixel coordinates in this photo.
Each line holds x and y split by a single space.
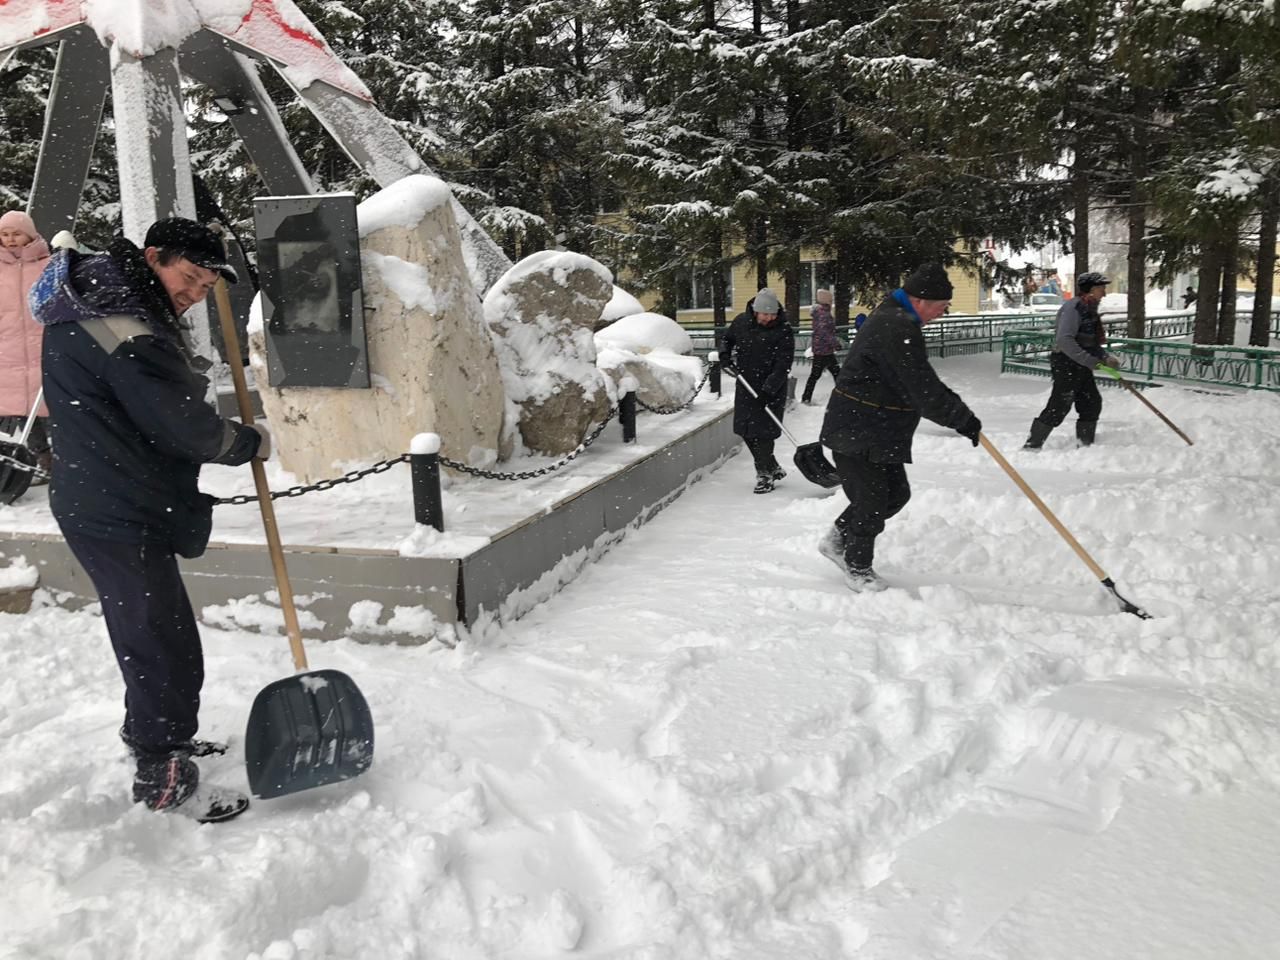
1045 302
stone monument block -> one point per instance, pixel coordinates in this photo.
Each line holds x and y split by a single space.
432 361
542 313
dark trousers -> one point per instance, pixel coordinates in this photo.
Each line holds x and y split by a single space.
826 362
876 492
154 635
762 453
1072 384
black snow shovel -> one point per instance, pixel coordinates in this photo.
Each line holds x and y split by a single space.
315 727
17 462
809 459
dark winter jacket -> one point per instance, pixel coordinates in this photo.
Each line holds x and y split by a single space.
763 356
130 425
825 342
885 386
1080 334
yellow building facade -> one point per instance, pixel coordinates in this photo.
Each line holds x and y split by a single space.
816 271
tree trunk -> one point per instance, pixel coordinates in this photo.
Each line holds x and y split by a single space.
1209 277
717 280
840 278
1226 333
1080 226
1260 325
791 277
1137 323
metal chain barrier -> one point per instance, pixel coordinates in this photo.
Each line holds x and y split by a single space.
667 411
541 471
386 465
299 490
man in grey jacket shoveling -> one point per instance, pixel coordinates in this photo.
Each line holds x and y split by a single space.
885 386
1079 348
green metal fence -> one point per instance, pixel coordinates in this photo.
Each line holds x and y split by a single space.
1148 361
986 333
965 334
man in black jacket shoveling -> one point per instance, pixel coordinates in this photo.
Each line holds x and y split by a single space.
885 386
759 346
131 429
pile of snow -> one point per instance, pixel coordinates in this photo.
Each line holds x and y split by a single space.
621 305
645 333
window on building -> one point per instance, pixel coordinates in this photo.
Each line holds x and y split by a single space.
816 274
695 290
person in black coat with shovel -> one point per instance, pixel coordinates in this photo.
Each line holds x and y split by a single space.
885 386
131 428
759 346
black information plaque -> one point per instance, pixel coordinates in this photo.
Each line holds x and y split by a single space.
309 260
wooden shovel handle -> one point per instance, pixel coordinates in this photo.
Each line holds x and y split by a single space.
1048 514
1154 409
231 345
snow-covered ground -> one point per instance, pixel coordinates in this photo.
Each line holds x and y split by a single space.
705 746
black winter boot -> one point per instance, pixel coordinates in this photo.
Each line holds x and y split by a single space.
172 784
764 481
1039 434
1085 429
776 470
859 552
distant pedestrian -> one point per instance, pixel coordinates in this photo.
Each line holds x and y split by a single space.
1078 350
759 345
885 386
824 344
131 429
1189 298
23 255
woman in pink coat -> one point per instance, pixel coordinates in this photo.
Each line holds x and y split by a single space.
23 255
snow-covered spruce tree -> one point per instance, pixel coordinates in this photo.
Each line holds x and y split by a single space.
932 145
524 114
1223 158
24 91
691 170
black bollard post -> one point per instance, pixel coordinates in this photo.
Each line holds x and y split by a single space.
627 409
714 378
424 467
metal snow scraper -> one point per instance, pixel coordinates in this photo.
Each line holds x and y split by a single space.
809 459
315 727
1072 542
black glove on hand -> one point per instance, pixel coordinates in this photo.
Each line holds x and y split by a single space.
970 428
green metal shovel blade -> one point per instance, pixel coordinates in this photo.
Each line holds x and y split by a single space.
305 731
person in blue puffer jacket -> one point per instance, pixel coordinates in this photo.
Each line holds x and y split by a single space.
130 430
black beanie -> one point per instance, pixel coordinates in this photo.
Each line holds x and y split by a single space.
929 282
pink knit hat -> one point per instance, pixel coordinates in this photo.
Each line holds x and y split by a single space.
17 220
